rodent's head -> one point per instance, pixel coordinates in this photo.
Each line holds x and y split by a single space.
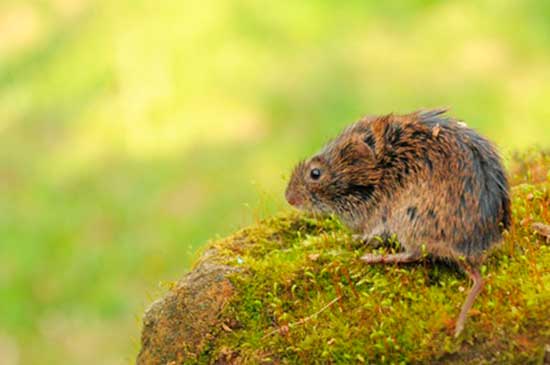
344 177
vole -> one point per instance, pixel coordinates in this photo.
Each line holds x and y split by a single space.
427 178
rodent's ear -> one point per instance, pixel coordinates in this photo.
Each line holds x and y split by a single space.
366 143
370 141
388 131
381 129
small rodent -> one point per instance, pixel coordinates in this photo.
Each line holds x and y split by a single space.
425 177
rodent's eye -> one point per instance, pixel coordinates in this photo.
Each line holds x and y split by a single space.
315 174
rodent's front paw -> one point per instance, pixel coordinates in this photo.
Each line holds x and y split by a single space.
360 238
372 258
373 241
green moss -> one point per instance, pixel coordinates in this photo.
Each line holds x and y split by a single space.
294 265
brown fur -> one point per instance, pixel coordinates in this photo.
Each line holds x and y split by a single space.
425 177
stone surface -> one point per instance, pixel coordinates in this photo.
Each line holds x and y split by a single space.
178 326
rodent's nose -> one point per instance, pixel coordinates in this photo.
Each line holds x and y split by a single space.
293 199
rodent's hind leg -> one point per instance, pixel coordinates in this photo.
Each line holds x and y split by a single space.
477 286
402 257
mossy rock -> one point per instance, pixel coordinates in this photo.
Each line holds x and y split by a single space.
291 289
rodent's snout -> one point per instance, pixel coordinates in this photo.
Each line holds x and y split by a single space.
293 199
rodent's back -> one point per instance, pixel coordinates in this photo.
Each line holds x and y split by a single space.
491 202
458 203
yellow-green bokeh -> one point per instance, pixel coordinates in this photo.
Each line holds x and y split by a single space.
133 131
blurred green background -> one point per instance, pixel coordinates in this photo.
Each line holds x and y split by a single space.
132 131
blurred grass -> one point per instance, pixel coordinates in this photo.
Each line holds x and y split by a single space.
133 131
